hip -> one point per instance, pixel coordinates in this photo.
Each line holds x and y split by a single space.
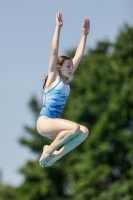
50 112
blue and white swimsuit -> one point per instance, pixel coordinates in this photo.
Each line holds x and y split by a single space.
54 100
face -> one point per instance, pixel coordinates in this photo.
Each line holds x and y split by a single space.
66 68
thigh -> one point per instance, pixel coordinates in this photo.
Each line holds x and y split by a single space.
50 127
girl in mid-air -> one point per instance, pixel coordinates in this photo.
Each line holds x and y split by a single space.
66 135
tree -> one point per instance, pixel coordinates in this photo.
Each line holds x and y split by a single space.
101 98
7 192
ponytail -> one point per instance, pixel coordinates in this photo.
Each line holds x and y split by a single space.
45 80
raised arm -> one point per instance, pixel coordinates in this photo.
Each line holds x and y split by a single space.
81 47
52 69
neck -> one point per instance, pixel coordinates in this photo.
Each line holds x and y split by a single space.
63 77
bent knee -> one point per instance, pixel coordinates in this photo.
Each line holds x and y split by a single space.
75 129
85 130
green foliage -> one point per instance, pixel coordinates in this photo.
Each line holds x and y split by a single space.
101 98
41 183
7 192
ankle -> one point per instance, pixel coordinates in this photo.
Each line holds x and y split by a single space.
49 151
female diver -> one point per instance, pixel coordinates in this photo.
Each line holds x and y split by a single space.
66 135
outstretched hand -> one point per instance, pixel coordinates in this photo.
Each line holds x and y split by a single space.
59 21
86 26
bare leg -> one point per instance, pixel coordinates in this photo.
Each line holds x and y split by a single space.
45 148
61 131
70 145
62 138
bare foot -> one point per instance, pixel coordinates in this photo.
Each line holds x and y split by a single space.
45 156
55 156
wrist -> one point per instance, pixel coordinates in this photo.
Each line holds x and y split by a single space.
84 35
58 27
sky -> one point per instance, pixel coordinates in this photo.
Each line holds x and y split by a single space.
26 30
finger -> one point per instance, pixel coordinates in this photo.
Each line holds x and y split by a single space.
84 24
60 15
57 15
87 23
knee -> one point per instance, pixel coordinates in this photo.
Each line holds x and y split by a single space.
84 130
75 129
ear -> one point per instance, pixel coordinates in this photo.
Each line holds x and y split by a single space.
58 67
